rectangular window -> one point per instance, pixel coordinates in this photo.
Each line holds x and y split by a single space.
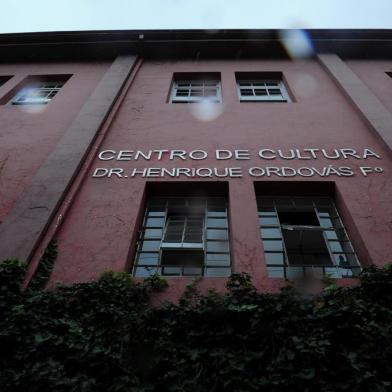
261 86
184 237
38 90
304 236
196 87
40 93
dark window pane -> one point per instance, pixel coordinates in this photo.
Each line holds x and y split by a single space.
182 258
217 246
274 92
271 233
151 246
210 93
216 214
148 258
335 246
284 202
171 271
333 272
192 271
196 93
269 221
306 247
294 218
155 222
265 202
331 235
212 223
274 258
217 234
325 222
303 202
260 92
217 272
156 214
266 213
294 272
246 92
275 272
345 260
323 202
219 259
194 229
153 233
145 271
273 245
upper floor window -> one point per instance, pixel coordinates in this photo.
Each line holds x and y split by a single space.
184 237
37 90
261 86
196 87
39 93
305 236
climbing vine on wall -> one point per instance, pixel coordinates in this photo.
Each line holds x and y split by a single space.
106 336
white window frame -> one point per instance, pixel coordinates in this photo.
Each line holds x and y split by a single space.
279 84
29 94
216 249
334 268
182 244
196 84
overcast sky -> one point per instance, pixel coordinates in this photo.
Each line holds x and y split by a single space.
60 15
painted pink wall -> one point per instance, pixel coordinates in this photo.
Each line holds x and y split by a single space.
102 222
27 138
373 74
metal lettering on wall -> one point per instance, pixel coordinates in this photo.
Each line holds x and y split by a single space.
167 158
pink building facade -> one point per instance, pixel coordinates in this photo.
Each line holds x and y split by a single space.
183 156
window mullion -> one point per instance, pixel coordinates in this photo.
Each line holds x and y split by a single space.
184 228
286 257
325 235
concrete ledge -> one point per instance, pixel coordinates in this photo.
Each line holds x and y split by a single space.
23 228
377 116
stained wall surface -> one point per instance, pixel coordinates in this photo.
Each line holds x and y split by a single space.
28 134
100 230
374 75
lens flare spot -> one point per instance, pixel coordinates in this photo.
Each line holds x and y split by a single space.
305 85
297 43
206 110
32 109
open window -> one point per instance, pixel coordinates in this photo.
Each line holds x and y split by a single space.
305 236
184 236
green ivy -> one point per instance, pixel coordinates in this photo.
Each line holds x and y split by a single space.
106 336
45 267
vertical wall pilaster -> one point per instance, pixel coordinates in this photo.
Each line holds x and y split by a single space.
23 228
375 114
246 246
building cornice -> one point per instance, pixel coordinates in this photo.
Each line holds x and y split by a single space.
358 43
